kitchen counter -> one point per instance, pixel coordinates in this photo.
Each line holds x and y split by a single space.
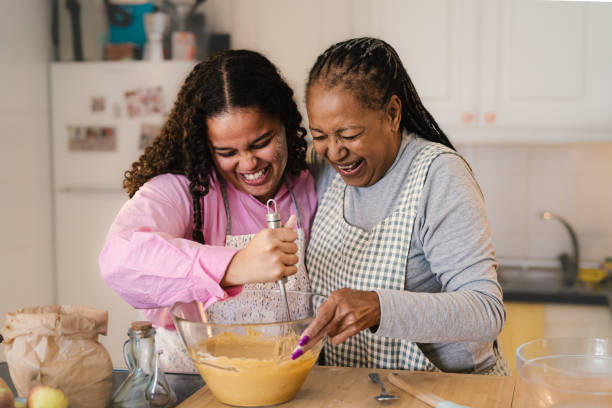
344 387
544 285
184 385
350 387
577 294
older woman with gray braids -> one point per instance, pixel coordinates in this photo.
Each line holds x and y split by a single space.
401 245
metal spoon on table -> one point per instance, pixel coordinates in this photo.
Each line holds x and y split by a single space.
384 396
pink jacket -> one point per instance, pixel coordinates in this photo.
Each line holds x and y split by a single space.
149 258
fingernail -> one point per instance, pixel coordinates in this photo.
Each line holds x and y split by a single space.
296 354
304 340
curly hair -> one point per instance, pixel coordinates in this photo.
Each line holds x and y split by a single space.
371 69
226 80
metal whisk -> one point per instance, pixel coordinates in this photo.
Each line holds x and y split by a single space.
273 220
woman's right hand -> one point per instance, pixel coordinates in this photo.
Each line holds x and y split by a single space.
268 257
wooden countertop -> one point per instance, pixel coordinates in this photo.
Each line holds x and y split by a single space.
351 387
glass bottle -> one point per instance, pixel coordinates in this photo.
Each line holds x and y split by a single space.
146 385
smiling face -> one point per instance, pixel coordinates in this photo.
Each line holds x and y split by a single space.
249 150
360 143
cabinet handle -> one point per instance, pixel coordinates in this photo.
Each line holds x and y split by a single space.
489 117
467 117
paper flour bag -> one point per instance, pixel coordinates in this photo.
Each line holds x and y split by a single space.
58 346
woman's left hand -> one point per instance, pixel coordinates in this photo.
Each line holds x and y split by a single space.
345 313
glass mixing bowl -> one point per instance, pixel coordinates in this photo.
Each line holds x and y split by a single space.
567 372
242 346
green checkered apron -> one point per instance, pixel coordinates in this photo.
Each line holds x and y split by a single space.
340 255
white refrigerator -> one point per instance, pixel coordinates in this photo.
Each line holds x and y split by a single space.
103 113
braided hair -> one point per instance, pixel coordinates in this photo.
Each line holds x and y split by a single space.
371 69
228 79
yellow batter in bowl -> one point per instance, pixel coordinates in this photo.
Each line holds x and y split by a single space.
252 370
242 345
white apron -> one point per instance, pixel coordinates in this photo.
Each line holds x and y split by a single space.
175 357
341 255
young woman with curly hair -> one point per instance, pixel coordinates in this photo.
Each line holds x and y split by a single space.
194 227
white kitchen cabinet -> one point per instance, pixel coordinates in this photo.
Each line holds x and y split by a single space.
488 70
505 70
546 64
437 40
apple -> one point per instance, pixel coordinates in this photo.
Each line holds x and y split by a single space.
6 395
43 396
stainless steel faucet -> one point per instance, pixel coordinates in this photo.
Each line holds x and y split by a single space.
569 263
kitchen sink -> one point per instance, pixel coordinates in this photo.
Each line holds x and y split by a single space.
545 285
548 277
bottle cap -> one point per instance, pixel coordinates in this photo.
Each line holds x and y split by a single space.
141 325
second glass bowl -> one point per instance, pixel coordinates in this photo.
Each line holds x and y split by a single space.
567 372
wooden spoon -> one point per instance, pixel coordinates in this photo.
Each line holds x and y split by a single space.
427 397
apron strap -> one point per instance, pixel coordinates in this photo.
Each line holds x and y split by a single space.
297 208
228 228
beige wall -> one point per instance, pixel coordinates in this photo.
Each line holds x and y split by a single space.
26 261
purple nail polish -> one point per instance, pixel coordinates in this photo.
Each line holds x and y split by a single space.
296 354
304 340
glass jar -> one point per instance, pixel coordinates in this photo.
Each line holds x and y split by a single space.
146 385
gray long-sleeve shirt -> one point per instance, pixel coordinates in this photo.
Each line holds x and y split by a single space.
452 304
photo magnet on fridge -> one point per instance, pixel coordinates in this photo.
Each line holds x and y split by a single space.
144 101
98 104
92 138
